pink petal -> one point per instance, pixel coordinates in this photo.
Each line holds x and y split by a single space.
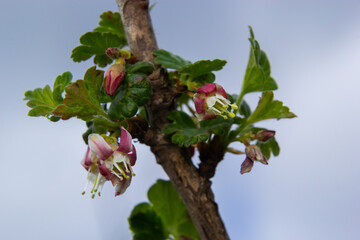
199 104
207 89
87 161
105 171
99 146
122 186
132 156
125 145
220 90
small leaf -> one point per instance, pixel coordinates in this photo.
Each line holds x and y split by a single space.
168 60
141 92
111 22
268 147
184 129
268 108
43 101
217 125
257 76
141 67
82 97
245 109
96 43
145 224
169 206
203 67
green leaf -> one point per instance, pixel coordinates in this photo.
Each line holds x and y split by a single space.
245 109
268 108
141 67
169 206
141 92
96 43
168 60
185 131
82 97
217 125
203 67
268 147
257 76
43 101
145 224
111 22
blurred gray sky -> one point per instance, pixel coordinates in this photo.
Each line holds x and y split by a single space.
310 191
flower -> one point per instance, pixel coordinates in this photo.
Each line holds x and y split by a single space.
113 78
211 100
106 160
265 135
253 153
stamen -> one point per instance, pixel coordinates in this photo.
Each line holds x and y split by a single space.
93 196
132 172
234 106
86 186
92 190
231 114
225 106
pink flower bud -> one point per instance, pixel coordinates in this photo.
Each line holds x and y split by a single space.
247 165
113 78
113 53
265 135
254 153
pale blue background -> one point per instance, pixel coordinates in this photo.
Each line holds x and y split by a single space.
310 192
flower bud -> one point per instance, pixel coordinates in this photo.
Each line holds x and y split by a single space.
265 135
113 78
254 153
247 165
113 53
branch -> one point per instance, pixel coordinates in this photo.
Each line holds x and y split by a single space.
194 189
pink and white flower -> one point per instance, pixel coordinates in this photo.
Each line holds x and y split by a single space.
110 161
113 78
211 100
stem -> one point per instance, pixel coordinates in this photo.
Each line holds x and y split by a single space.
194 189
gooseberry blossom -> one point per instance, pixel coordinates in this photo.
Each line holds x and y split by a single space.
110 161
113 78
211 100
253 153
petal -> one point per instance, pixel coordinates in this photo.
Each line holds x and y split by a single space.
125 145
220 90
87 161
207 89
132 156
246 166
99 146
199 104
122 186
105 171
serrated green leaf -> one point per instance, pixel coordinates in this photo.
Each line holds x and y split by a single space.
111 22
82 97
141 92
203 67
185 131
268 147
141 67
257 76
169 206
43 101
168 60
96 43
145 224
268 108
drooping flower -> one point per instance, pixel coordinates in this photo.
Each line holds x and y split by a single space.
211 100
112 161
253 153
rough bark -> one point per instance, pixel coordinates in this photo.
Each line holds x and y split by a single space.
193 187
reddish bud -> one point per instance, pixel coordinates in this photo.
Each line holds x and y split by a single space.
247 165
254 153
113 53
113 78
265 135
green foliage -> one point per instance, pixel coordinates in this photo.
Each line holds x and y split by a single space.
245 109
146 224
82 97
165 216
110 33
129 99
185 131
43 101
192 75
96 43
268 147
140 68
219 125
111 23
268 108
257 76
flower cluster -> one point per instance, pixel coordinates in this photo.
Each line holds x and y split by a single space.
211 100
106 160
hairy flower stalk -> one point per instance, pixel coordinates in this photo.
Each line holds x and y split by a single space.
211 100
106 160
